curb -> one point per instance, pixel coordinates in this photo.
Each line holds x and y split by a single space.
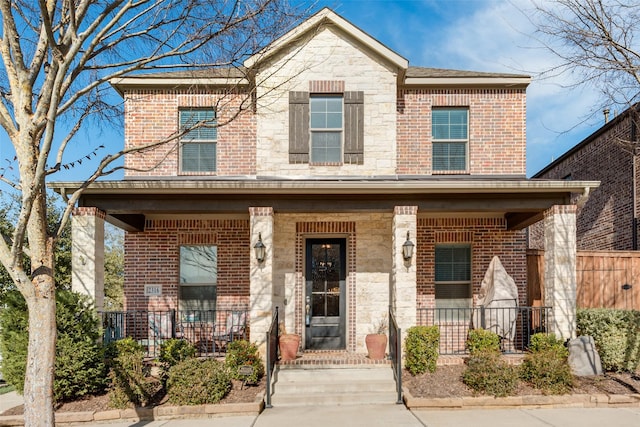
150 414
512 402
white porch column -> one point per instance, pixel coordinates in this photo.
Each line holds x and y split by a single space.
560 269
403 275
87 253
261 279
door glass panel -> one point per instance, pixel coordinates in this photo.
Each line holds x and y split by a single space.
325 276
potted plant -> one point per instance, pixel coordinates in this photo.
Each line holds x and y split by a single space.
288 343
376 341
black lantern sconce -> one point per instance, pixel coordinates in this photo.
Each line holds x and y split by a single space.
260 249
407 249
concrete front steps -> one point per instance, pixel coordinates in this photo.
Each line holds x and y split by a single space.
300 385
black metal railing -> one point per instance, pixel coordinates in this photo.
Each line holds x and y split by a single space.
514 325
395 353
208 330
272 354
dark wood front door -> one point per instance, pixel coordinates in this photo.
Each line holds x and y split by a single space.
325 294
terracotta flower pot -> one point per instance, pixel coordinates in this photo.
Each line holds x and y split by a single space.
289 344
376 346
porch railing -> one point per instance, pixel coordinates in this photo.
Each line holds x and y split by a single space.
395 353
208 330
514 325
272 354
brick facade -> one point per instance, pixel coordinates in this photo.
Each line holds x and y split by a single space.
496 129
152 257
488 237
605 221
152 116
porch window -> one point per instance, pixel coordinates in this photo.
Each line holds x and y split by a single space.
450 137
198 277
198 145
453 275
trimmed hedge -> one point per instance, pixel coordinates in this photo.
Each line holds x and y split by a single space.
616 334
487 373
482 341
198 382
243 353
422 349
546 366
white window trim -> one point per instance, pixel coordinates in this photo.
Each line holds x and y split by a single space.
313 130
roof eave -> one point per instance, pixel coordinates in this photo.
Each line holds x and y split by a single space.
124 84
510 82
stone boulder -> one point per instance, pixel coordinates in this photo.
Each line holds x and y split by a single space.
583 357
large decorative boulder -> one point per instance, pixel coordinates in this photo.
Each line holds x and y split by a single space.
583 357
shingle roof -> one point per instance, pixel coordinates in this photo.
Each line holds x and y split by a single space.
418 72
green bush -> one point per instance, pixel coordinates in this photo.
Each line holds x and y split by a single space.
482 340
616 334
79 365
128 374
241 353
174 351
197 382
422 349
487 373
546 371
548 342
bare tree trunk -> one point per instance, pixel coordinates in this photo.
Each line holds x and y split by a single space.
38 387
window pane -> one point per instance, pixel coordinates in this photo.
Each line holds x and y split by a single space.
198 264
199 157
453 263
449 156
197 298
449 124
326 112
190 117
326 147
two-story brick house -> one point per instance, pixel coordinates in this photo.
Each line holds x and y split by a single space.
333 153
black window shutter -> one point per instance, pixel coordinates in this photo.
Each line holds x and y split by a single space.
298 127
354 127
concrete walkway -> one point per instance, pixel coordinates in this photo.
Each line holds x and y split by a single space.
394 415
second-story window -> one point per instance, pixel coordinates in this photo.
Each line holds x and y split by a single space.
198 144
326 128
450 138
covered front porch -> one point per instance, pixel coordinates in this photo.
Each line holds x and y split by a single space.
359 226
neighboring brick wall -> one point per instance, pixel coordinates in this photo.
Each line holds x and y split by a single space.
153 258
488 238
605 221
497 129
152 115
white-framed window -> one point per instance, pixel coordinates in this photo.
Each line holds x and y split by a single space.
198 146
326 126
453 275
450 139
198 277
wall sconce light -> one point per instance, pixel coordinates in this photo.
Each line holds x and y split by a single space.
260 249
407 248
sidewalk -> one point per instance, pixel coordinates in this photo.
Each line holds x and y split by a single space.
394 415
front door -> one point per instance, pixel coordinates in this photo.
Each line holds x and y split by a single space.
325 294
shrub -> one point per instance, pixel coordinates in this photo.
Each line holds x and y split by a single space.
128 374
240 353
616 334
197 382
487 373
79 365
483 340
546 371
174 351
422 349
548 342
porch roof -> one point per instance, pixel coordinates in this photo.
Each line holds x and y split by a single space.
522 201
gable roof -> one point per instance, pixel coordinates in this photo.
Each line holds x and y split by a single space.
445 77
327 17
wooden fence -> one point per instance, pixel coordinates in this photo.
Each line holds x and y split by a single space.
605 279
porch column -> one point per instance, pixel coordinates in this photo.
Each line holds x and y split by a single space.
403 275
261 279
560 269
87 253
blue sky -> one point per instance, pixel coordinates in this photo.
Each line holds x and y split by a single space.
479 35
